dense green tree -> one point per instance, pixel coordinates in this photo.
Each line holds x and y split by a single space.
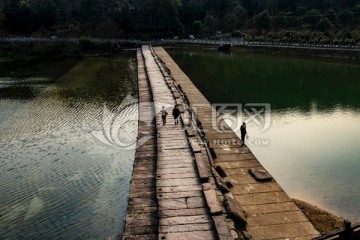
123 16
312 16
262 21
167 16
356 12
241 15
346 16
324 24
230 22
2 20
162 18
210 24
196 27
45 13
281 20
18 15
86 11
331 15
300 11
190 11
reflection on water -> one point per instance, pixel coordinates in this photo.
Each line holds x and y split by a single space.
58 181
313 144
286 83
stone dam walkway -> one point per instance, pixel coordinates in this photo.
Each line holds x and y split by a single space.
176 193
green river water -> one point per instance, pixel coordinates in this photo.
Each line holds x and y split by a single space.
66 148
312 144
67 143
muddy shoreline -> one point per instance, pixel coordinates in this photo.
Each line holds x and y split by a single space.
323 221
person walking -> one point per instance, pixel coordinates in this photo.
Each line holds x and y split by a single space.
163 115
176 114
243 133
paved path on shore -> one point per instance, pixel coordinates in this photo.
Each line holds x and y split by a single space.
271 214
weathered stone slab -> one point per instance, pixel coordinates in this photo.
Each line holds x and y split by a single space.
262 198
143 175
184 220
142 210
282 231
181 109
185 228
241 178
260 174
174 170
173 175
179 165
190 132
270 208
201 167
256 188
222 228
140 237
164 147
195 202
219 182
140 220
174 153
178 158
194 145
136 194
235 210
165 204
177 182
139 230
182 212
276 218
179 188
180 194
179 101
212 201
195 235
239 164
234 157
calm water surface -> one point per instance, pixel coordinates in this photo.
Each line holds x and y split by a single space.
63 173
312 146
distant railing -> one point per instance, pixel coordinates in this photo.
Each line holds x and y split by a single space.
348 232
215 42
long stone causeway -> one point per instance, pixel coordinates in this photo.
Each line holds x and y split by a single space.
188 182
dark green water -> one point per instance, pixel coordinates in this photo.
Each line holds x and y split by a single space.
66 148
312 146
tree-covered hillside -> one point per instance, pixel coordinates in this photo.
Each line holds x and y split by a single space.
320 19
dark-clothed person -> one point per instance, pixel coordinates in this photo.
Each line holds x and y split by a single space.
176 114
243 133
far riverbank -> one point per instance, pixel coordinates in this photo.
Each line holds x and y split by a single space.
310 52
